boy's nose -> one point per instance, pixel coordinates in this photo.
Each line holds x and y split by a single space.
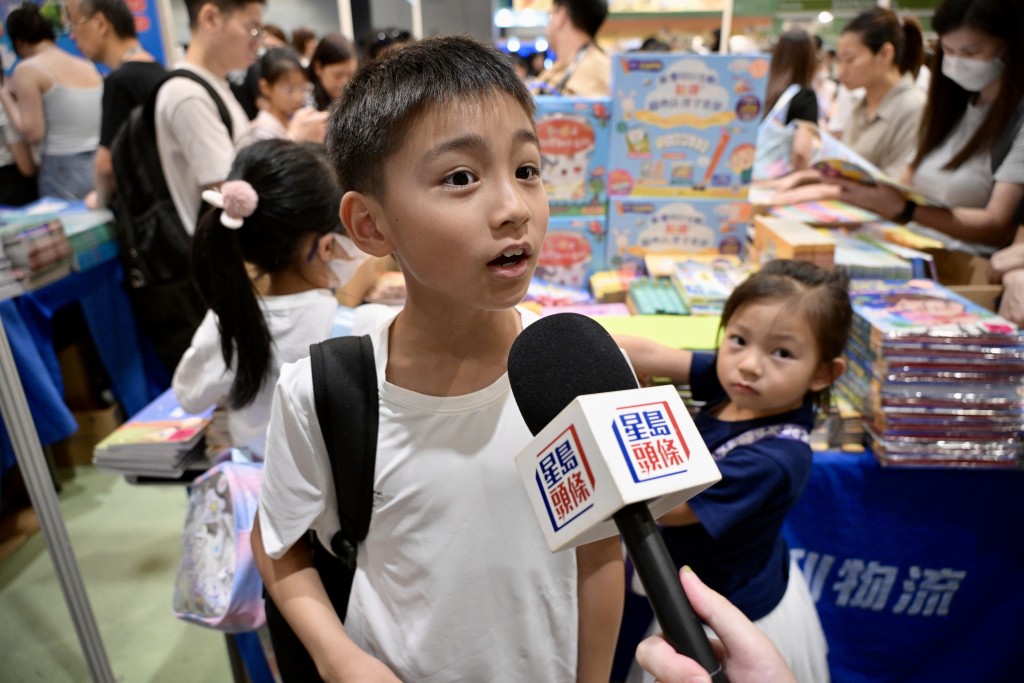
512 208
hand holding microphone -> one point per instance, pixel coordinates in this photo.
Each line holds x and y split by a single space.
602 449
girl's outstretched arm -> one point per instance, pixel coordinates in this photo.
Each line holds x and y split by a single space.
652 359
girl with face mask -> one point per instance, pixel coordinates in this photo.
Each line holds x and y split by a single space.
277 214
970 154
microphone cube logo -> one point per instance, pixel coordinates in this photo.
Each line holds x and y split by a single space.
650 441
565 479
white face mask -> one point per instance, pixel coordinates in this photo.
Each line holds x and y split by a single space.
973 75
346 261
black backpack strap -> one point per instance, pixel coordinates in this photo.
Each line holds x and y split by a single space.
345 391
222 109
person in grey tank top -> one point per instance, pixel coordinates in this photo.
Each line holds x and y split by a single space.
56 102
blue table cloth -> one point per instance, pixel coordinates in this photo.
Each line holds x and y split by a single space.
916 572
136 375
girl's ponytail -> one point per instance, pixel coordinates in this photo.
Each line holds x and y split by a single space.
225 286
913 47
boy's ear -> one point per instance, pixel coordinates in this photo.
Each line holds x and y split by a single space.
828 372
208 16
362 217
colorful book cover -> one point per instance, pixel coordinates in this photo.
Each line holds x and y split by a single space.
827 212
573 250
161 423
706 286
860 171
638 227
921 308
685 125
574 137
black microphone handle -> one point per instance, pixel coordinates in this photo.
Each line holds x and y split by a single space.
660 578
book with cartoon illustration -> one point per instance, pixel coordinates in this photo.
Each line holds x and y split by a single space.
853 167
921 311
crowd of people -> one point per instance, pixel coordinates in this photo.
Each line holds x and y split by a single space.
292 160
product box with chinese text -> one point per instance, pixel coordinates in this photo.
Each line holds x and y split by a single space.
637 227
573 134
573 250
684 125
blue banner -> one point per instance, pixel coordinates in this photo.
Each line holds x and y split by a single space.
916 573
147 25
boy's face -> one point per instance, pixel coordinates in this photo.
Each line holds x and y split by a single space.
466 211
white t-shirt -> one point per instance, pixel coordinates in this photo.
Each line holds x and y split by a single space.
454 581
195 149
264 127
295 321
971 183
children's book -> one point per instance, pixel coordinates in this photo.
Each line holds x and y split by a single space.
922 309
867 174
825 213
157 439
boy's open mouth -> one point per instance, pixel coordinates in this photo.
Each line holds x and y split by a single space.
509 257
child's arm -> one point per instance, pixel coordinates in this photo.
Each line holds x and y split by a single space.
656 360
294 585
680 515
600 586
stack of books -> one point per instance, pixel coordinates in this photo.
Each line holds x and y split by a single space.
827 213
161 440
92 236
936 376
862 257
37 248
704 286
10 286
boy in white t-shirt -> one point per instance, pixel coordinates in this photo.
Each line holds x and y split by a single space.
436 146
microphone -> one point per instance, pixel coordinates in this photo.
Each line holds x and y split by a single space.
602 448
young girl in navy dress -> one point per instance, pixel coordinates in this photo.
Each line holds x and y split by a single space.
783 332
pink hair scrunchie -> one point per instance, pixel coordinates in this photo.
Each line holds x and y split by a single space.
237 200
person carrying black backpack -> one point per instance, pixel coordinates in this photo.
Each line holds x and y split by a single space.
182 141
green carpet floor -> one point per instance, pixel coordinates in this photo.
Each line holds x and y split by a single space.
126 542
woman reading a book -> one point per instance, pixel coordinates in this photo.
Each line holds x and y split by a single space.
970 157
881 53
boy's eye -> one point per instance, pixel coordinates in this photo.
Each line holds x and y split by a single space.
783 353
460 178
737 340
527 172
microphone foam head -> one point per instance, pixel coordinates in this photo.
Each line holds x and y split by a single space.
560 357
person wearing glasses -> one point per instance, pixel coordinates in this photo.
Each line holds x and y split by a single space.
196 148
53 100
104 31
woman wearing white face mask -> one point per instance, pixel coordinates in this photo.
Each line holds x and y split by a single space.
277 212
970 155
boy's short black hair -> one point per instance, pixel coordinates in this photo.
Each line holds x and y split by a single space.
369 122
116 12
225 6
586 15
